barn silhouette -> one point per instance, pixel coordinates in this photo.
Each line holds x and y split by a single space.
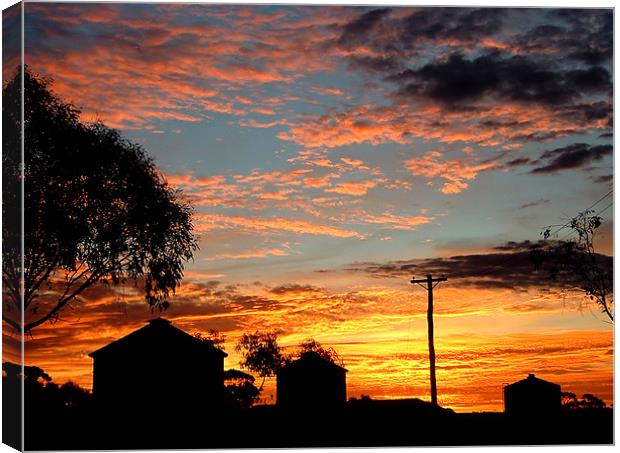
158 367
532 396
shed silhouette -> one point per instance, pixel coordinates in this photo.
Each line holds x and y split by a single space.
532 396
311 382
158 367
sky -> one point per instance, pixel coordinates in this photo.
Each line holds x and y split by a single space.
332 153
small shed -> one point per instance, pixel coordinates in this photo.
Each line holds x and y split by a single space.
532 396
158 366
311 383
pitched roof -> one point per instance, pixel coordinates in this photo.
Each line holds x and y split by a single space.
532 381
157 330
311 359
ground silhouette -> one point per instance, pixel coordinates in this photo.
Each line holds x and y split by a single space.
160 387
67 417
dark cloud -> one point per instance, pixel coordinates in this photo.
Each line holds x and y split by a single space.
458 80
394 40
603 179
293 288
379 65
585 36
355 32
570 157
534 203
494 270
518 162
584 113
518 246
555 58
462 24
513 268
404 35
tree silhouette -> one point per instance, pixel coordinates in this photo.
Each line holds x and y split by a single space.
577 262
261 354
96 210
240 388
213 337
587 401
43 398
329 354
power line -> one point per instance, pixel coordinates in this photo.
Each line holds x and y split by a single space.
566 225
601 199
605 208
597 214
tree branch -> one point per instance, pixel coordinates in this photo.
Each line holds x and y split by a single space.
64 300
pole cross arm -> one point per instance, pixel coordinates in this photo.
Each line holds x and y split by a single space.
429 278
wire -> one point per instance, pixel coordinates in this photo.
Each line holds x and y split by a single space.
601 199
597 214
566 225
605 208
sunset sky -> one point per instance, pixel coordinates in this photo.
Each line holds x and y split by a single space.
332 153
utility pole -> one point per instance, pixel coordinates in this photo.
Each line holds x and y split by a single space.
429 283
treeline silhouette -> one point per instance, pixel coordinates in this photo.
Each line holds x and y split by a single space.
65 417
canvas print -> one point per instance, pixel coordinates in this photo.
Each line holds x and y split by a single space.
265 226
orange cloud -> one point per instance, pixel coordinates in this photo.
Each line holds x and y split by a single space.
393 222
162 57
379 331
210 221
497 124
327 91
356 163
355 188
320 181
455 172
250 254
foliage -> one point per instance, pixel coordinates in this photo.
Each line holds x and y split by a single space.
576 261
41 394
261 354
237 375
30 374
240 388
329 354
97 210
587 401
213 337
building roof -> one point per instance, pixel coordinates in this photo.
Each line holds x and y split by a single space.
532 381
311 359
157 330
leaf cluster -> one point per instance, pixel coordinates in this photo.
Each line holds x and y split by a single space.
261 353
329 354
587 401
